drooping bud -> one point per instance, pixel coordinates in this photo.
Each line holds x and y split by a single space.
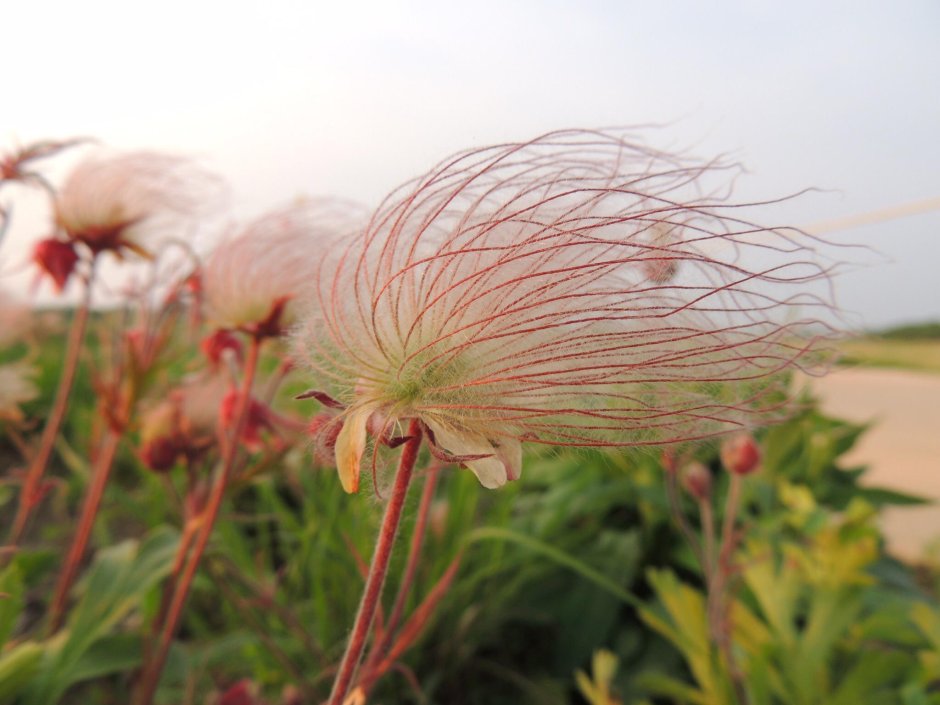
217 344
740 454
160 436
160 454
324 428
258 418
57 259
697 480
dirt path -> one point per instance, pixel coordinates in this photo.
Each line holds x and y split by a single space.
902 448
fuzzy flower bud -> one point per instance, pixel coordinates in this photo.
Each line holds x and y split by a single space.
697 480
506 296
183 424
740 454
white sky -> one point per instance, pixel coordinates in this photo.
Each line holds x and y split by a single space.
351 99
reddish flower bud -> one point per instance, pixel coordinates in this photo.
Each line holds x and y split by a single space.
57 259
160 454
214 346
697 480
740 454
239 694
258 418
324 429
159 436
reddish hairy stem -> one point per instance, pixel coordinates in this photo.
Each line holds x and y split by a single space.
708 531
101 471
29 494
190 529
154 667
412 628
378 567
675 509
411 568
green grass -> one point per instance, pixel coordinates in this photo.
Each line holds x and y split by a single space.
920 355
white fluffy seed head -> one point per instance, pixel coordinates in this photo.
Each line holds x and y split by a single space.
576 290
132 201
272 259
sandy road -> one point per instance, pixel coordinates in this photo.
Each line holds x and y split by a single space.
902 448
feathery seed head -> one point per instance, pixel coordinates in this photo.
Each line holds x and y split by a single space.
575 290
258 273
127 202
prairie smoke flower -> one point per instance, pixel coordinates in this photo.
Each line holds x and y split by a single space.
250 280
575 290
127 202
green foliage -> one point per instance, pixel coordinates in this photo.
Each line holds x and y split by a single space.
913 331
93 643
577 568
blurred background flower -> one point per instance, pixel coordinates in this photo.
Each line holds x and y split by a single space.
268 263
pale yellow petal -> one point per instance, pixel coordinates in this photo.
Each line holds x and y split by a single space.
501 465
350 445
509 451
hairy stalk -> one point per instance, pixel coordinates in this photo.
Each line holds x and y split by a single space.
411 568
719 618
101 471
154 667
708 531
678 516
30 494
190 529
378 567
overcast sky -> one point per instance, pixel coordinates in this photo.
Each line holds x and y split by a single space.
350 99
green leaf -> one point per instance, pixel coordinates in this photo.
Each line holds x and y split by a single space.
559 557
667 686
112 654
11 599
116 584
880 496
17 668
